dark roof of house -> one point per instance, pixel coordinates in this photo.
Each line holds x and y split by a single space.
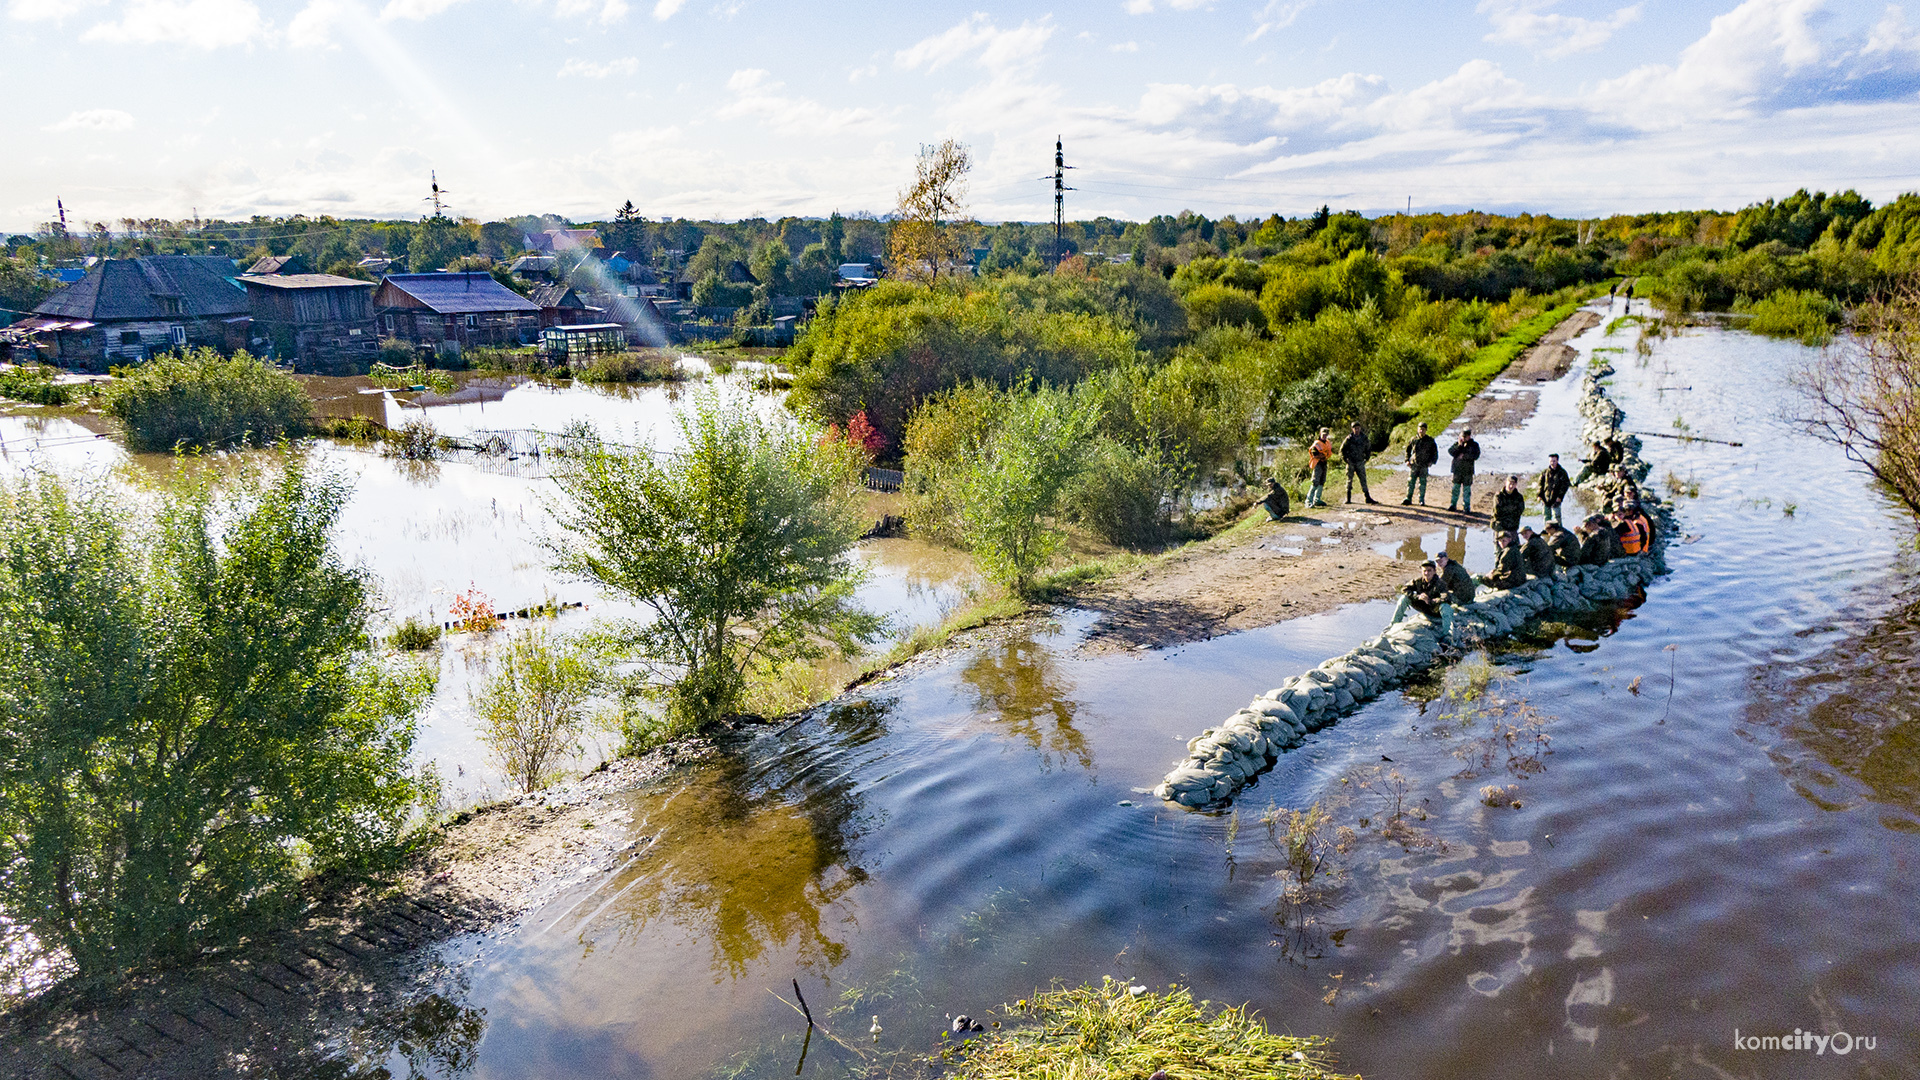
202 286
303 281
279 264
555 296
460 294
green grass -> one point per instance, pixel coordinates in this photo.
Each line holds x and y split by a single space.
926 638
1440 403
1107 1031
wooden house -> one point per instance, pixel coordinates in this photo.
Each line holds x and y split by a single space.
561 305
320 322
126 310
451 312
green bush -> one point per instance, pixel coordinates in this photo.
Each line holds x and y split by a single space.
202 400
1121 496
626 367
1223 305
34 383
195 721
1796 313
532 708
414 635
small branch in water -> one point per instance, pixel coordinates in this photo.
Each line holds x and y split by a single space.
1686 438
804 1011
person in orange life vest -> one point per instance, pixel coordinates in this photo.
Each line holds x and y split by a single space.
1318 455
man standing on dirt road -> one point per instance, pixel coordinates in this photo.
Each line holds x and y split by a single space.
1509 506
1464 452
1355 451
1422 452
1553 487
1318 455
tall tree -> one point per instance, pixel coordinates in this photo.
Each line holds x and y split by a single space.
931 234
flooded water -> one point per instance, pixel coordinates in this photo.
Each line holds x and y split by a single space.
431 530
1723 840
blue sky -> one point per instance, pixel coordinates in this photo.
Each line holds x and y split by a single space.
733 108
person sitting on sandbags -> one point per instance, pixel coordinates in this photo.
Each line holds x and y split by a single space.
1536 555
1508 571
1428 595
1599 544
1460 584
1564 544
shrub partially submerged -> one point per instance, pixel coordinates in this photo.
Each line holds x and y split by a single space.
1111 1030
200 400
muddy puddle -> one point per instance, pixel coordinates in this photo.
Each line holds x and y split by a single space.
1723 838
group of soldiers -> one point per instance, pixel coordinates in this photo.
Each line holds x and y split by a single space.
1521 553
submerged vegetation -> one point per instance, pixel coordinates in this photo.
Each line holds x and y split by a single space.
1115 1030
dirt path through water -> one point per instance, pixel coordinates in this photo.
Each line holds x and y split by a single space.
1262 572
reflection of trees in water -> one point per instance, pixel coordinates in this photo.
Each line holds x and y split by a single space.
436 1035
1857 709
1018 680
753 847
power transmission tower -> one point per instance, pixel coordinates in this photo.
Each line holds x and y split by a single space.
1059 201
62 207
439 207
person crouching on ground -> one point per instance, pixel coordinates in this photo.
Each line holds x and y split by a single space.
1355 451
1565 545
1318 455
1508 505
1508 572
1464 452
1536 555
1553 488
1426 594
1422 452
1276 500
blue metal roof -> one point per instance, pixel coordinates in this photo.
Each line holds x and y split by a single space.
460 294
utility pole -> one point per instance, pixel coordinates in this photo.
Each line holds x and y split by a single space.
1059 201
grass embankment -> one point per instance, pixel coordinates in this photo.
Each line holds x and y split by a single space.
1111 1031
1440 403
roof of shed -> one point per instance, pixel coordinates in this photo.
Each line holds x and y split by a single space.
304 281
460 294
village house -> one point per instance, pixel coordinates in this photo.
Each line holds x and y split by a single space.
561 305
126 310
552 241
320 322
451 312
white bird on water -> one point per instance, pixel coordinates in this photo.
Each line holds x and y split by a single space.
875 1029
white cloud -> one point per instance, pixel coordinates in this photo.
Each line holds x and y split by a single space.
610 11
757 95
1891 34
1145 7
93 120
1277 16
1754 51
859 73
209 24
1125 46
415 9
36 10
666 9
626 65
1527 23
997 48
312 27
